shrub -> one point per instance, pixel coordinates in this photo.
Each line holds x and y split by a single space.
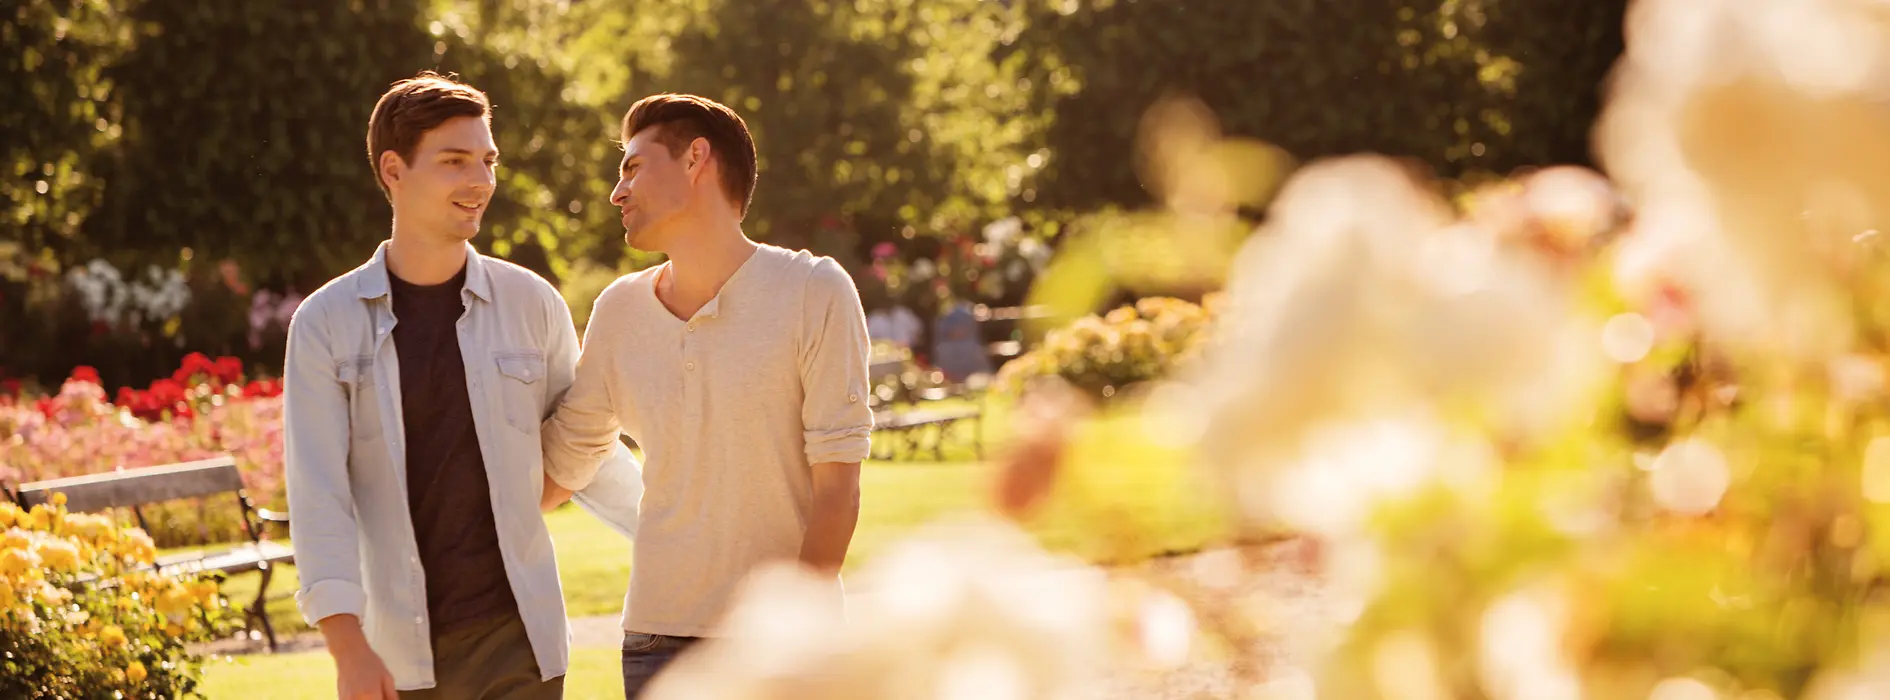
1105 355
82 615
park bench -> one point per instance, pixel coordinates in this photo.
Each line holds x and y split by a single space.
906 413
135 488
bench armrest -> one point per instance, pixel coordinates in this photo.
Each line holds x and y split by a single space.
272 516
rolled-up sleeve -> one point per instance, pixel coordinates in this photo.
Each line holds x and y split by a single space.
835 416
326 535
583 429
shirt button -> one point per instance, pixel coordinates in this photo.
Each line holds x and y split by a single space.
853 398
691 328
418 620
691 366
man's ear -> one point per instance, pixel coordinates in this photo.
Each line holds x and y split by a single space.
697 158
392 169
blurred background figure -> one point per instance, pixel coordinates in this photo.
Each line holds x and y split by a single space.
957 346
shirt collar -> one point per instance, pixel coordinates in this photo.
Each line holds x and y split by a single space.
374 285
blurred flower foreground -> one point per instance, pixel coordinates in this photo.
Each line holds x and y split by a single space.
1563 436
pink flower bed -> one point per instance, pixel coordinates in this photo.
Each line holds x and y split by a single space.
204 410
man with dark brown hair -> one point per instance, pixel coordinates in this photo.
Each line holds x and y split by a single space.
414 388
739 367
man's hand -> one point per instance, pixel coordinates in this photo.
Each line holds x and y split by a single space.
555 495
359 672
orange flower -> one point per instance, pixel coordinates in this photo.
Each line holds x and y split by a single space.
136 673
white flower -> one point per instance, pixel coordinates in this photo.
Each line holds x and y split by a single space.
1756 128
1000 233
1363 300
971 610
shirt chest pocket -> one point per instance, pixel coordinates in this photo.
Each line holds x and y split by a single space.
364 397
521 388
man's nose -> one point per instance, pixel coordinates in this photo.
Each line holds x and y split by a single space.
620 193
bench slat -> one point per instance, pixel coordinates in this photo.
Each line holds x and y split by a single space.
235 560
913 419
136 487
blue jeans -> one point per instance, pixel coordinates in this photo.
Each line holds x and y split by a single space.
645 655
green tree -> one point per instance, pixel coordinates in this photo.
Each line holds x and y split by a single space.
245 127
1465 86
57 120
881 117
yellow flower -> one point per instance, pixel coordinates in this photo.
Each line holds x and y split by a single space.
91 528
172 629
125 603
43 517
59 498
7 597
18 539
175 603
113 636
205 591
16 561
53 596
135 672
138 547
59 555
9 514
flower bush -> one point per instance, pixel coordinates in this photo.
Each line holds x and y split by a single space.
82 614
1105 355
204 410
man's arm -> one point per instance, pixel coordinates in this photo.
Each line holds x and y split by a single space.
835 418
316 435
836 512
582 428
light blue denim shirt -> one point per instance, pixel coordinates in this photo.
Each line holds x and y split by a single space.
346 458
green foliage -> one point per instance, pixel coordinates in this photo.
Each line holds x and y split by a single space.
245 126
878 115
1462 85
57 120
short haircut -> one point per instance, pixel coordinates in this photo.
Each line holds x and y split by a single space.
411 108
681 119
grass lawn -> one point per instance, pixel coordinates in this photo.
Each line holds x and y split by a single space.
595 675
1121 499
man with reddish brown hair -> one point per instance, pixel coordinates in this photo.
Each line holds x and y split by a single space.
414 389
739 367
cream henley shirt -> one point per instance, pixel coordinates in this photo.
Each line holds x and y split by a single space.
731 408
